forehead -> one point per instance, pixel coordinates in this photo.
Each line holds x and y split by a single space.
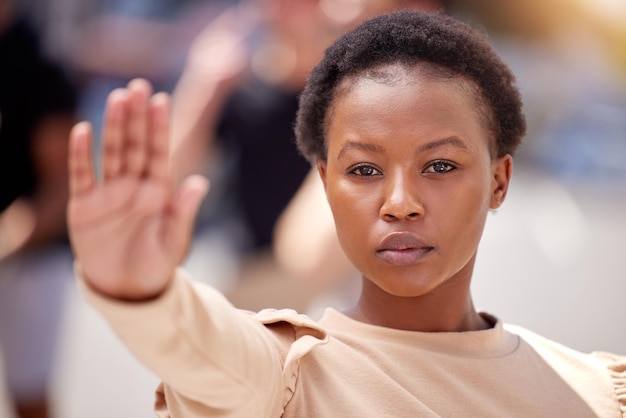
400 101
441 88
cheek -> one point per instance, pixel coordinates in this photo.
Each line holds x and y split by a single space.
354 212
465 213
345 204
470 202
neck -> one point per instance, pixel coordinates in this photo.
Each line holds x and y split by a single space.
448 308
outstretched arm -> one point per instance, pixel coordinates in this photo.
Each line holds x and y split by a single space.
130 230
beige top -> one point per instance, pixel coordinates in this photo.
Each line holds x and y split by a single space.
218 361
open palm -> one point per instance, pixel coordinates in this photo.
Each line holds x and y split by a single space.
130 230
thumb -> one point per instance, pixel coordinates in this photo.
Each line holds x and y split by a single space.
184 210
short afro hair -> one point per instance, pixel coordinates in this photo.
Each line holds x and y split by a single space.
412 38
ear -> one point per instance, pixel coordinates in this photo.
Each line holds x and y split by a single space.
502 169
322 169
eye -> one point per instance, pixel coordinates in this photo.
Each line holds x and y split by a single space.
364 170
439 167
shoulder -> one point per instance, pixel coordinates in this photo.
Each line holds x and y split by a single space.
588 371
551 350
295 336
289 325
541 342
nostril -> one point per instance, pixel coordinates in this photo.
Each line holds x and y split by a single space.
389 217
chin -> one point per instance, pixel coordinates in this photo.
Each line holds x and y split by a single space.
408 286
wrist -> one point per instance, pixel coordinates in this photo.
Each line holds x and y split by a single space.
123 291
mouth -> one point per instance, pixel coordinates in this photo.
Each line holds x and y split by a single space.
403 249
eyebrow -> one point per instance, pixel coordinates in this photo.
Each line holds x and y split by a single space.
452 140
359 145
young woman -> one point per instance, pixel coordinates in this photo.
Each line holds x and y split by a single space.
411 121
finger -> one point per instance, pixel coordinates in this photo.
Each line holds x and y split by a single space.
81 168
136 144
184 210
158 165
113 133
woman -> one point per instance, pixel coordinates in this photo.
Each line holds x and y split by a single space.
411 120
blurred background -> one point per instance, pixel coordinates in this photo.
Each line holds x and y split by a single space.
552 259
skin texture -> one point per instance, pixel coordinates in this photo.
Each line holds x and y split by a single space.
410 159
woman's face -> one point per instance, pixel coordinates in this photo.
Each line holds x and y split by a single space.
410 178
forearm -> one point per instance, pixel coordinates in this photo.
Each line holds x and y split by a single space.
197 104
200 345
216 63
326 262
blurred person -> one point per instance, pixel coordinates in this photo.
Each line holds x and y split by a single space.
37 104
234 107
412 121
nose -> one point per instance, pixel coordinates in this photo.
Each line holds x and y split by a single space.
401 201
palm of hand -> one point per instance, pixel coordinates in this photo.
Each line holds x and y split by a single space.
129 231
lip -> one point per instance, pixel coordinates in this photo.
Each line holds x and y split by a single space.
403 249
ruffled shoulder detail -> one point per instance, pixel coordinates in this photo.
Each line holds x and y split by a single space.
296 335
302 323
616 366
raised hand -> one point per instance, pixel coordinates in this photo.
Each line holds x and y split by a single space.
130 230
217 61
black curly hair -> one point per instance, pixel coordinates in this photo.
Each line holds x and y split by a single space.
443 45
